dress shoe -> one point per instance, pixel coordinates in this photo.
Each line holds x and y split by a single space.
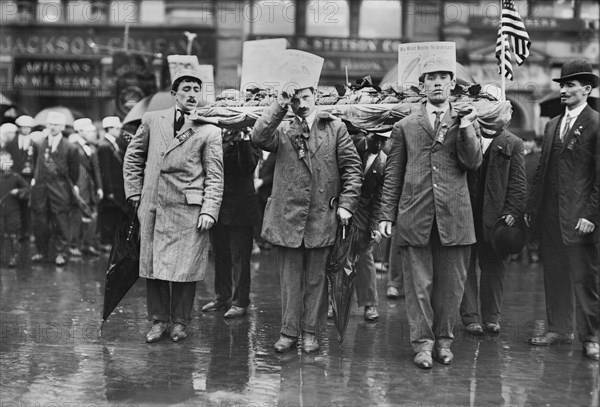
309 342
285 343
214 305
178 332
443 355
491 327
371 313
551 338
106 248
474 328
423 360
591 350
37 258
235 312
12 261
60 260
393 293
74 252
91 250
158 331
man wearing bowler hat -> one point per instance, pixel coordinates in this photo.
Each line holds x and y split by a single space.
425 192
563 208
498 190
173 172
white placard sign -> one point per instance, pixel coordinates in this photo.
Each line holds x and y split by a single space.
259 60
298 69
412 55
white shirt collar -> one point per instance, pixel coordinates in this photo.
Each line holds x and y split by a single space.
431 109
310 119
24 141
575 112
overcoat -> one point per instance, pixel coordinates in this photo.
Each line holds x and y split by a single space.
505 189
111 171
307 190
179 177
426 180
579 176
89 180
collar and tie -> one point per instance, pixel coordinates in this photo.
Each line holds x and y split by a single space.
180 119
305 128
567 127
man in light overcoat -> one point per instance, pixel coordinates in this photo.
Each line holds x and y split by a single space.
173 169
317 176
425 193
563 207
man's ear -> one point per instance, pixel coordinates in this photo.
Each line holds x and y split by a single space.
173 93
421 86
452 84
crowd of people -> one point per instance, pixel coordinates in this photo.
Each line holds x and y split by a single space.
454 203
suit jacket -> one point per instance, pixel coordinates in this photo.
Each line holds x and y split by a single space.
239 207
111 173
307 190
89 180
9 205
266 173
370 192
19 156
55 174
579 176
426 180
179 177
505 186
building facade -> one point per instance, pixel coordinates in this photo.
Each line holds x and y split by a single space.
63 51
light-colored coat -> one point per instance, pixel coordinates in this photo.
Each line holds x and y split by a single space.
307 191
426 180
179 178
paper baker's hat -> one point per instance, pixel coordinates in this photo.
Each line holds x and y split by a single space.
186 73
79 124
56 118
111 121
25 121
438 64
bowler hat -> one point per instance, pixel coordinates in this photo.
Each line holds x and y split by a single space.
185 73
577 68
507 240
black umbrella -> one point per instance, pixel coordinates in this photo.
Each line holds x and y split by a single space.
123 266
341 275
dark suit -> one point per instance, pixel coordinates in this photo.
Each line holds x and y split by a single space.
112 209
232 234
426 192
366 220
20 158
52 195
89 182
498 188
567 188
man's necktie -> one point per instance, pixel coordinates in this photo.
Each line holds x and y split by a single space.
305 128
436 124
180 120
565 131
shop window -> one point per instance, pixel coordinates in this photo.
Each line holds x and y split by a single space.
121 12
195 13
152 12
51 11
328 18
380 19
556 9
87 12
590 10
271 17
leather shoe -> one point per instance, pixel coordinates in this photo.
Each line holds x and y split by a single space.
491 327
235 312
474 328
158 331
309 342
371 313
74 252
36 258
392 293
214 305
284 343
443 355
178 332
60 260
91 250
423 360
551 338
591 350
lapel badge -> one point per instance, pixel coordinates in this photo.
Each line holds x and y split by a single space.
441 133
185 135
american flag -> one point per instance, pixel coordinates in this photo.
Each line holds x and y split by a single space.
515 36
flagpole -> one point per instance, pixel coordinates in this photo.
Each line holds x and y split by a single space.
503 62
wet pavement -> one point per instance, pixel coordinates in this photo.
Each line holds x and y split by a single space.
51 354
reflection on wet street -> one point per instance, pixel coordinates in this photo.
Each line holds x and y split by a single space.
51 352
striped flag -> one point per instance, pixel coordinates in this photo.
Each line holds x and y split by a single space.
514 31
508 72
